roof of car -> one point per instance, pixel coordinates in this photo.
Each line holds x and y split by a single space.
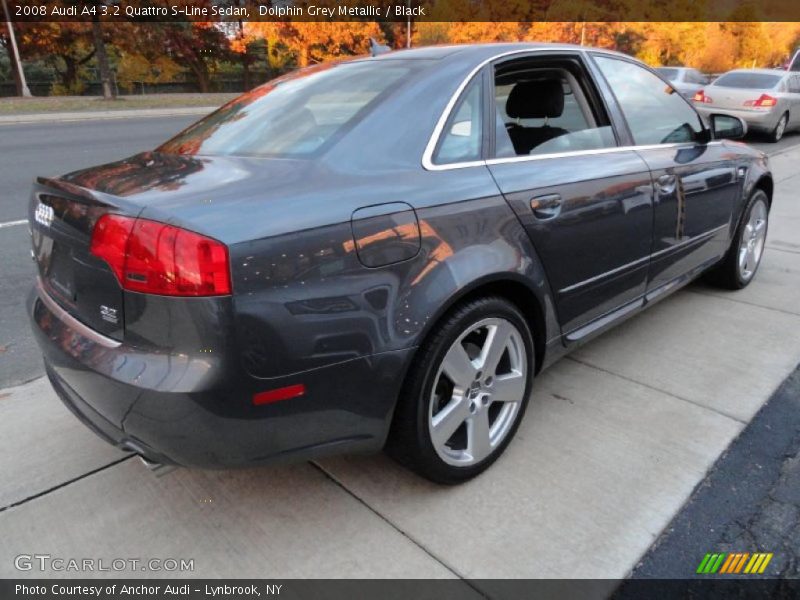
472 51
762 71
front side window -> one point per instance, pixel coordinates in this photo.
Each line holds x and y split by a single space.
463 134
295 115
655 112
541 110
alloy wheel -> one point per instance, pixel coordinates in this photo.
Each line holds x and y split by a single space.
754 235
780 128
478 392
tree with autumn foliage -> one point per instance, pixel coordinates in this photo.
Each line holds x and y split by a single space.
196 46
66 47
160 52
303 44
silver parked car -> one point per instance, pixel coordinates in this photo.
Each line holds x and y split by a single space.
766 99
686 80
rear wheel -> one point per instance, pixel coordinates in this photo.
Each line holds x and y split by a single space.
466 392
780 128
740 264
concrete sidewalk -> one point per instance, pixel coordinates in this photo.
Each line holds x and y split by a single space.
616 438
55 117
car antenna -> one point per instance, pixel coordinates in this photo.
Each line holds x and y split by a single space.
375 48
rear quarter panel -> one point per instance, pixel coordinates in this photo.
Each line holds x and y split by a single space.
303 300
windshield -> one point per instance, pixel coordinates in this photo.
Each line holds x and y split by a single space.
293 116
667 73
750 81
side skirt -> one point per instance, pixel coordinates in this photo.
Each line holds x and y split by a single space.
575 338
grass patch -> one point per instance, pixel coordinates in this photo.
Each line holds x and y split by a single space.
20 106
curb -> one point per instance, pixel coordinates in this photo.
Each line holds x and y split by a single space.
57 117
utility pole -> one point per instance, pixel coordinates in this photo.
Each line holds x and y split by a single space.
408 26
25 92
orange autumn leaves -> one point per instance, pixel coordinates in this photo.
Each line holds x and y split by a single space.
309 43
713 46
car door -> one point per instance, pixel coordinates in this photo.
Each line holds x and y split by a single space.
695 179
585 202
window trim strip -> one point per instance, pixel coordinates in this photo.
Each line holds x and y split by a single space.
430 148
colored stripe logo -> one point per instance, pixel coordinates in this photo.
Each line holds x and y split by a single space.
734 563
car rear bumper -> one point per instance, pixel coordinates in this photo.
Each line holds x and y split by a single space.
762 121
198 411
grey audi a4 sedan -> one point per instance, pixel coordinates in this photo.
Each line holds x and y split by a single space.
382 252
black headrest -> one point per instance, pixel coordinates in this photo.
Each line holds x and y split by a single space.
536 100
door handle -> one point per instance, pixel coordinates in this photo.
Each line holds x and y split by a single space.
666 184
546 207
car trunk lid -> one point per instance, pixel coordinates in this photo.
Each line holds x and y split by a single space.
734 98
62 217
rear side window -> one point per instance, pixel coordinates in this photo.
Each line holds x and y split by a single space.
667 73
693 76
463 135
655 112
749 81
294 116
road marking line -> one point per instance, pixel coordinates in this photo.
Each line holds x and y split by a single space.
12 223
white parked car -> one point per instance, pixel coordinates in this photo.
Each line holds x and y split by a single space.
766 99
685 79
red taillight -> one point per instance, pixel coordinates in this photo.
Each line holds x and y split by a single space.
765 101
156 258
700 96
284 393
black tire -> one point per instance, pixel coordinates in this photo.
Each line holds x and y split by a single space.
727 274
776 135
410 440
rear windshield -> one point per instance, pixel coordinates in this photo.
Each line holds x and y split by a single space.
293 116
752 81
667 73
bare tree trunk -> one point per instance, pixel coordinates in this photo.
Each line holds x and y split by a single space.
203 78
246 70
270 73
102 59
245 60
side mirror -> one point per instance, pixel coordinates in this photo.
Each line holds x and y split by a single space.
727 127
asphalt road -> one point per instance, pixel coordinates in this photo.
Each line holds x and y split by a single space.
749 502
31 150
46 149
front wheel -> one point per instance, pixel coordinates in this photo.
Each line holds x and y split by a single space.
741 263
466 392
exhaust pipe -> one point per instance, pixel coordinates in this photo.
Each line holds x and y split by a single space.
158 469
